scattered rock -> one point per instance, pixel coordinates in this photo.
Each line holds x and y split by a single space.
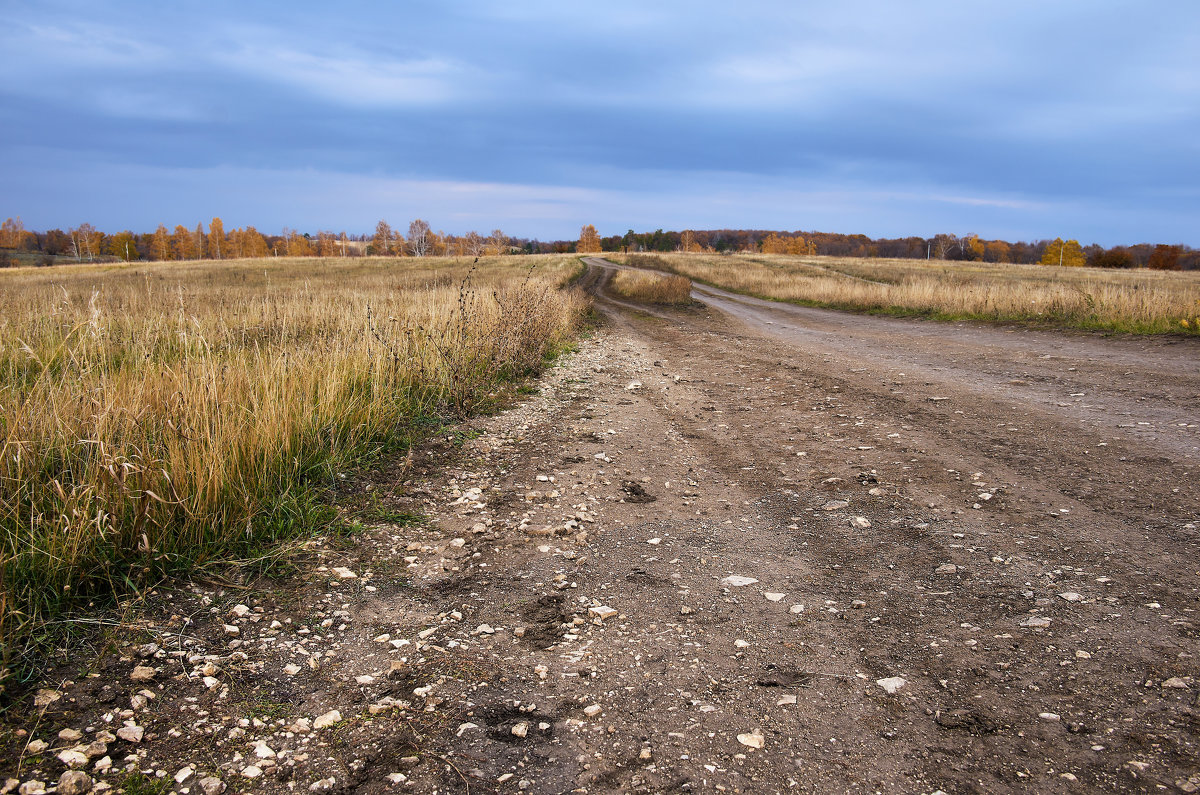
593 710
946 568
1049 717
69 735
344 573
1035 622
752 740
251 771
72 758
860 522
330 718
74 782
1175 683
143 673
774 597
602 612
1070 596
520 730
211 785
131 734
835 505
737 581
892 684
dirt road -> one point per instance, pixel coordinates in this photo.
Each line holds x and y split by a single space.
740 547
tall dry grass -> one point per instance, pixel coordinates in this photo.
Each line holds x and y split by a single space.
1139 301
652 288
155 417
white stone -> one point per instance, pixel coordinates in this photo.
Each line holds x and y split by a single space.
1175 683
796 609
1035 622
1050 717
946 568
752 740
231 630
602 612
737 581
741 644
1070 596
72 758
240 611
892 684
774 597
860 522
485 629
330 718
211 785
263 751
520 729
592 710
344 573
131 734
184 773
251 771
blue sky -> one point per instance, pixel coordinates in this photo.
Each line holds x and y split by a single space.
1015 120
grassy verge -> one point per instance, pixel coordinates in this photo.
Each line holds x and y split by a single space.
155 418
652 288
1137 302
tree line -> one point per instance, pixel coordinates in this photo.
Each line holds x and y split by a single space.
86 243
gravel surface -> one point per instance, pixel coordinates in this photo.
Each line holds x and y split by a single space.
742 547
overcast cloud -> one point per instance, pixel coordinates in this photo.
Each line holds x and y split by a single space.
1021 120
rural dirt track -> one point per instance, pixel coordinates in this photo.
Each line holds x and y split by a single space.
1004 519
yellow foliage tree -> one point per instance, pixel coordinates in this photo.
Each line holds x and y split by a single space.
216 238
589 240
774 244
497 243
687 242
183 245
160 246
1069 254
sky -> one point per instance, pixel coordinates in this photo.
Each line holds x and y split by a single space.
1020 120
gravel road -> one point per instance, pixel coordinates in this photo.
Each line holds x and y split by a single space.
741 546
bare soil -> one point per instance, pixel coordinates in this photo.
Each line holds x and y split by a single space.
974 554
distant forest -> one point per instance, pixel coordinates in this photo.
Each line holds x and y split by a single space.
19 246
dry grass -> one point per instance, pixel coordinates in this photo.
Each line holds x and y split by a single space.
652 288
1139 301
155 417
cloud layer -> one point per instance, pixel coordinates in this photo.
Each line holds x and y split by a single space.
1023 120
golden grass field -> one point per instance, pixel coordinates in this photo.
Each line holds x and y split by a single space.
1137 301
652 288
155 417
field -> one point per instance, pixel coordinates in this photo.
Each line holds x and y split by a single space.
1139 301
652 288
154 418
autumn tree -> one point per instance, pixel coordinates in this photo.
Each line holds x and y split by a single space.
183 245
326 244
216 238
160 245
247 243
473 244
420 238
589 240
85 242
497 243
12 233
687 241
1069 254
384 242
1165 258
123 246
996 251
198 241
